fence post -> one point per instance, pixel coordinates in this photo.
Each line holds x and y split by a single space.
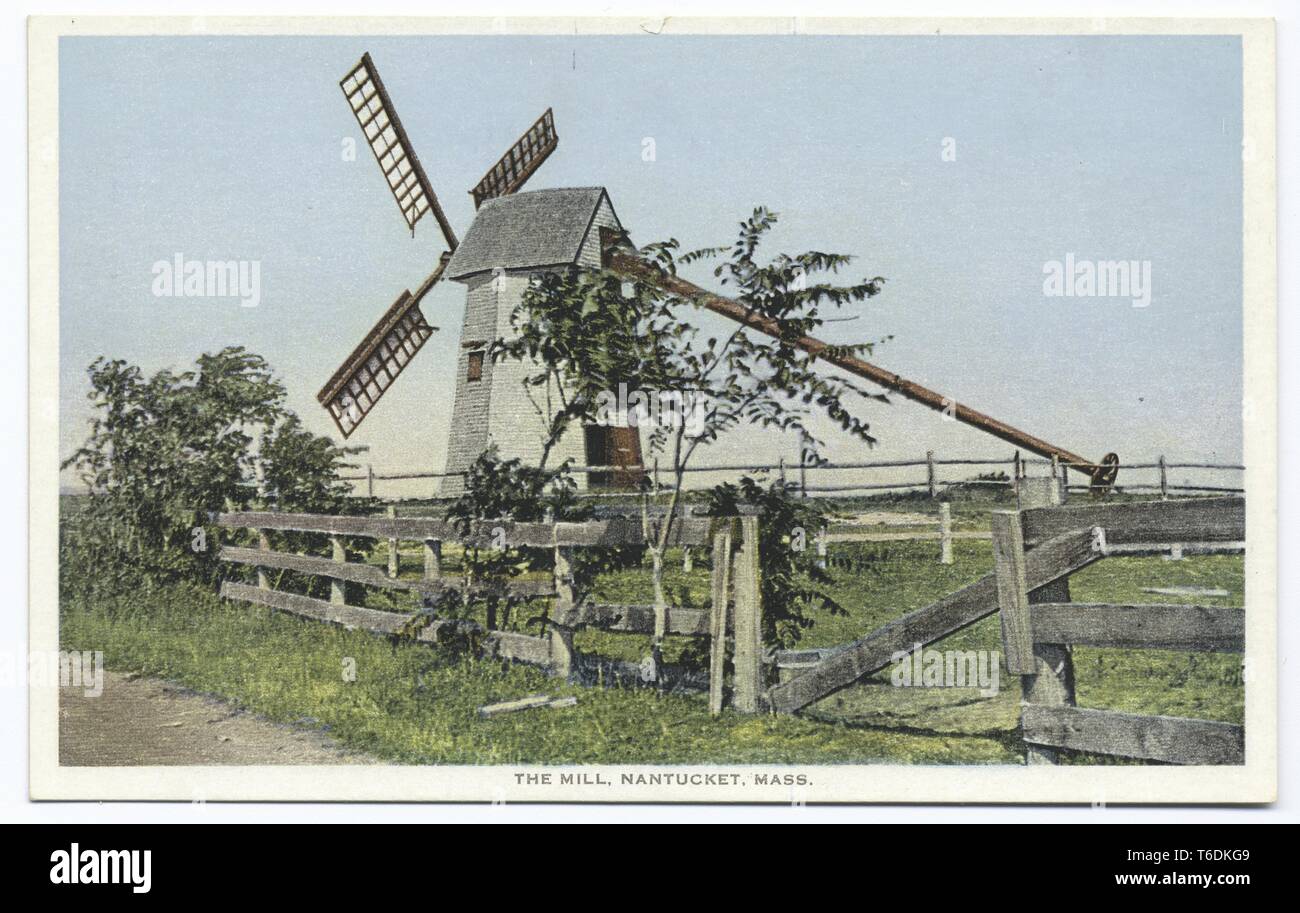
780 467
393 557
748 624
432 559
1164 480
1052 680
821 546
718 618
562 638
370 480
338 595
1016 469
264 543
945 533
803 475
929 473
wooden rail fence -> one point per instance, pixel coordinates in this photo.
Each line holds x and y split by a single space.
793 475
735 590
1040 625
1057 541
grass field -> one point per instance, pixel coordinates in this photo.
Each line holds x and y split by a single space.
413 704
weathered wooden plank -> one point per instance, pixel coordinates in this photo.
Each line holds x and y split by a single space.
338 594
1052 683
394 556
1053 559
1013 593
945 533
747 624
1189 520
935 535
499 644
532 702
309 564
264 544
562 650
633 619
619 531
346 615
1193 628
1155 738
369 575
721 593
432 559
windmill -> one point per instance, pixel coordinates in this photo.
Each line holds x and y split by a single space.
515 235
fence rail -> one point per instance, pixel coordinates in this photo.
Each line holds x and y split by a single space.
794 474
1040 625
1056 542
736 600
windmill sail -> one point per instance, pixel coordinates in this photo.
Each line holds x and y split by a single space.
370 370
383 130
520 161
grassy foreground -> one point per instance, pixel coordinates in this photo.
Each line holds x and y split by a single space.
409 703
412 704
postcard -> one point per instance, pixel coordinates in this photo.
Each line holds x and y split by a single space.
623 410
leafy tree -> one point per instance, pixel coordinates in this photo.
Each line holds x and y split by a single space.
794 584
299 472
165 451
588 331
497 489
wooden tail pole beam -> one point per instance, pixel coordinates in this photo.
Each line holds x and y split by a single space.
1102 474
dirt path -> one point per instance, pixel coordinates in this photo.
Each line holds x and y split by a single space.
147 722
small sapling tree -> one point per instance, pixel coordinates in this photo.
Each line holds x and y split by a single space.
590 333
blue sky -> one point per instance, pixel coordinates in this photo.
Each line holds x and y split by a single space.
1102 146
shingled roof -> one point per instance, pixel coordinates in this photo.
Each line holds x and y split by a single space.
527 230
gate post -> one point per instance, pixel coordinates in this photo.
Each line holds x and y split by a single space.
263 543
747 696
337 592
432 559
945 533
1052 680
718 618
393 557
562 638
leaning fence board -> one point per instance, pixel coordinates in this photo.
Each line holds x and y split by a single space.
532 702
319 609
634 619
1191 520
1053 559
368 574
624 531
1154 738
1193 628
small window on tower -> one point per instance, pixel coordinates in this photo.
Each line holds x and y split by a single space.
475 371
